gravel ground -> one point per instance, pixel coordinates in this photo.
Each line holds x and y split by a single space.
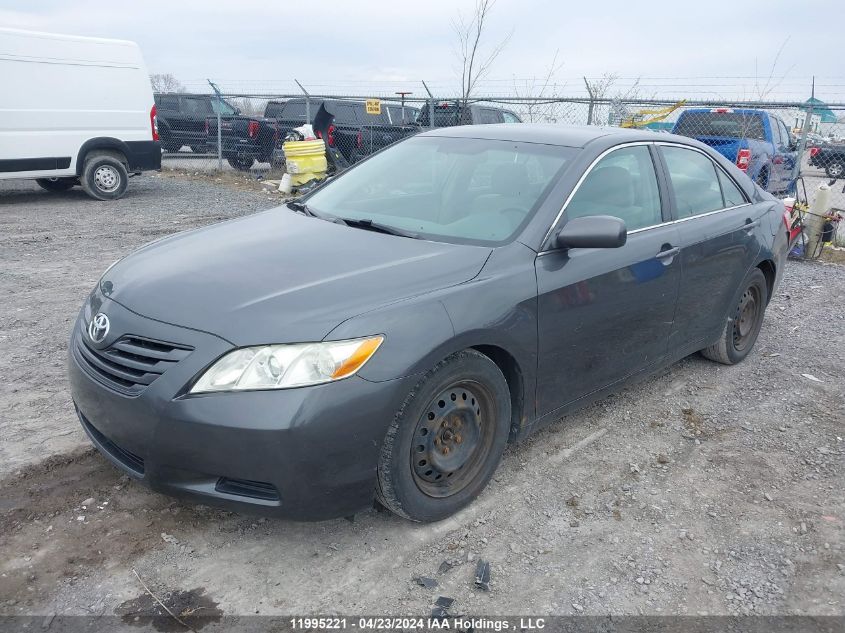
705 489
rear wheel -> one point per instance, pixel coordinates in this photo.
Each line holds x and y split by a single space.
56 184
835 169
199 149
241 163
104 176
743 324
447 439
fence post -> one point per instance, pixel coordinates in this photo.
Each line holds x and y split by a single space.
802 144
430 107
219 126
307 102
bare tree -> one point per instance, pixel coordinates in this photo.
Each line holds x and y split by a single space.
475 64
538 89
165 82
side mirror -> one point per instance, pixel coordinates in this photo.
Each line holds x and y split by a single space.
592 231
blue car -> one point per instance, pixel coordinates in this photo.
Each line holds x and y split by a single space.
757 142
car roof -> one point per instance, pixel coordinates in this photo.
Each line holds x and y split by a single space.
554 134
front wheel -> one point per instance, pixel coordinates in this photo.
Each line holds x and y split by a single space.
241 163
743 324
56 184
446 440
835 169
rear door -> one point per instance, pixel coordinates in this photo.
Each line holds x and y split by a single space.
718 231
195 110
605 314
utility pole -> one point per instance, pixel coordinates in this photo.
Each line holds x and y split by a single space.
219 128
402 94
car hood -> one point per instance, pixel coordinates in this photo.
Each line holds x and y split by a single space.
278 276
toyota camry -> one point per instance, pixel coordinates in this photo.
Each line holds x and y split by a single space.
385 336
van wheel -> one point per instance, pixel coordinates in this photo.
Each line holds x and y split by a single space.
104 176
241 163
56 184
446 440
743 324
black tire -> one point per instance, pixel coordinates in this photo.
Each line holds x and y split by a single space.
743 323
104 175
199 149
56 184
835 170
474 426
241 163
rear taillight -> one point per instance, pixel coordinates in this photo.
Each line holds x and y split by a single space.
815 150
154 122
359 140
743 158
252 129
330 136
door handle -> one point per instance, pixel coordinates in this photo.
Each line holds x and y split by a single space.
750 225
668 253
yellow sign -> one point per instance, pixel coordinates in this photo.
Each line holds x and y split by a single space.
373 106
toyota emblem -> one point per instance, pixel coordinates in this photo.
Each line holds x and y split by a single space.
98 328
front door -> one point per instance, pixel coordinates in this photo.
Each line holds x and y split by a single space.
605 314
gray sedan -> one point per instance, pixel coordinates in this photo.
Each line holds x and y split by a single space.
385 337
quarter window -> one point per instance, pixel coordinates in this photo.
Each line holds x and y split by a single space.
730 192
622 184
694 181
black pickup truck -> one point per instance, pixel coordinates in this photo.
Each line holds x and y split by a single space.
831 158
181 120
354 132
450 113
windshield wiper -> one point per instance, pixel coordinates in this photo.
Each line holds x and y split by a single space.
369 225
301 207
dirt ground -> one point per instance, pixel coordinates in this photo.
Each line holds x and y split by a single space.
704 490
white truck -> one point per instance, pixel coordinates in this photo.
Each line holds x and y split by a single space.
75 111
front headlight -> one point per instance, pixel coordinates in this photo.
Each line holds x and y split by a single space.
284 366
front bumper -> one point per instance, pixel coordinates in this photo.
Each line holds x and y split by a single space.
307 453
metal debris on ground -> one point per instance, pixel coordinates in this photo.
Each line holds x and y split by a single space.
425 581
444 567
482 575
441 607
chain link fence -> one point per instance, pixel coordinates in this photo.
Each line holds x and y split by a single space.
786 147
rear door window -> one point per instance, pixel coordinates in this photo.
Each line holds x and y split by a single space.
489 115
694 180
196 106
295 109
731 194
510 117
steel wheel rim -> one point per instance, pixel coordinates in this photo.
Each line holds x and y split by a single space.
836 170
452 439
745 320
106 178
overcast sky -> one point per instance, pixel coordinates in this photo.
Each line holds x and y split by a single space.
677 48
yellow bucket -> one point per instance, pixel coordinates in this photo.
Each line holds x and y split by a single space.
305 160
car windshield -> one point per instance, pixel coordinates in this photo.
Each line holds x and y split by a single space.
463 190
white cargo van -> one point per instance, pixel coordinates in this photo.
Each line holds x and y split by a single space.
75 111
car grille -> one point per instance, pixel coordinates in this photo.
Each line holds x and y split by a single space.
128 459
131 363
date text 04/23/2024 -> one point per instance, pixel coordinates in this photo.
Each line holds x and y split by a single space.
418 623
